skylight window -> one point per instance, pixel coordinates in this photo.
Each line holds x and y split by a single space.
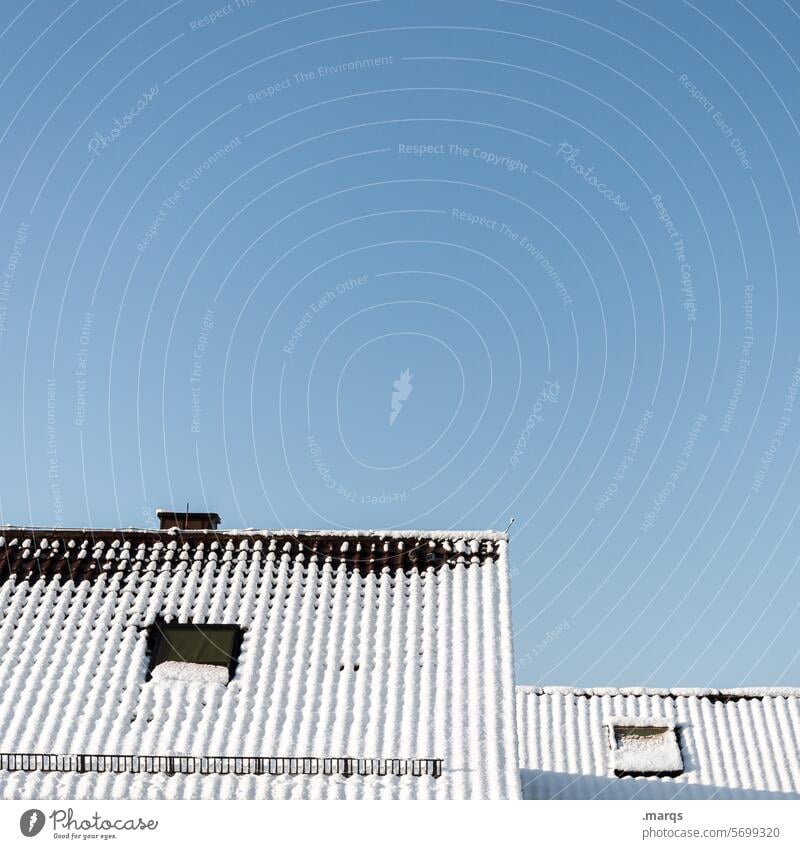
644 747
189 652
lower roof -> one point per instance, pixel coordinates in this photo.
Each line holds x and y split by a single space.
737 743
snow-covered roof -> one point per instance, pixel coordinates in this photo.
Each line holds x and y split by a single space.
451 536
659 744
365 645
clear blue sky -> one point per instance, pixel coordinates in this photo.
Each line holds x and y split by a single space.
425 265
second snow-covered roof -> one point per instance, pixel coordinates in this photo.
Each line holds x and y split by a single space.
725 744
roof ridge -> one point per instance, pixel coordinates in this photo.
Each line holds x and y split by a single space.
489 535
696 692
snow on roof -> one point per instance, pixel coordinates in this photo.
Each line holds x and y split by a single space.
671 692
450 535
644 745
198 673
356 645
741 743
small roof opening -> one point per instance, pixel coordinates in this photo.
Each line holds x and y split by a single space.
644 747
175 647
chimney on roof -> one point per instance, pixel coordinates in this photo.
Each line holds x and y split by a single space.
187 521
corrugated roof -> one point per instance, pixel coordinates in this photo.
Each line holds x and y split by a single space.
734 743
360 645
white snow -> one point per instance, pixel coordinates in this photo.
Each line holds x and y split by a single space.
196 673
453 535
643 745
672 692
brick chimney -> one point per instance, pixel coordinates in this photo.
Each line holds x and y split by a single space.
187 521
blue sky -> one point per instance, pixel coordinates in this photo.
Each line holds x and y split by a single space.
392 265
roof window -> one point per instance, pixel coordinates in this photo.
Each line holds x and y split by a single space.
644 747
190 652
